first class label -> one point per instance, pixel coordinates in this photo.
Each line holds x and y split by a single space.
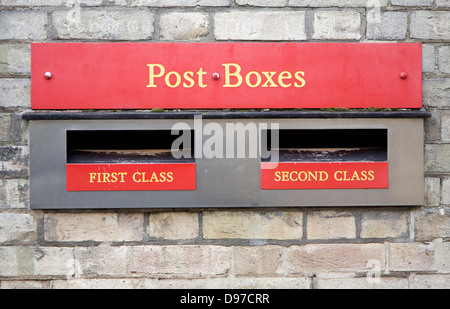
225 75
130 177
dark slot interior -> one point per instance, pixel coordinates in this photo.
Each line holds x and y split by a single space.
127 147
328 145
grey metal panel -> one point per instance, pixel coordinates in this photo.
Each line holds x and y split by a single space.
225 182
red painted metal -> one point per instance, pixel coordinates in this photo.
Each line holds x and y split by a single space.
252 75
130 177
325 175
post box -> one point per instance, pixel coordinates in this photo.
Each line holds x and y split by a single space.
305 125
129 160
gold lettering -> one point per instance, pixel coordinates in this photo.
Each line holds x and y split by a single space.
92 177
189 77
122 175
292 173
236 74
300 79
300 176
114 177
277 176
134 177
363 175
335 176
248 81
284 75
152 75
200 74
163 176
371 175
323 173
355 176
169 176
106 177
269 80
154 178
177 78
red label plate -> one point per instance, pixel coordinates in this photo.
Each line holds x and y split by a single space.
130 177
226 75
329 175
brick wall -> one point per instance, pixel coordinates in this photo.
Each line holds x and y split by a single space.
253 248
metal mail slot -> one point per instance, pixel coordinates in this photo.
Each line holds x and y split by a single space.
83 161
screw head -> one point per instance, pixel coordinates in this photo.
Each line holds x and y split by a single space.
403 75
215 76
48 75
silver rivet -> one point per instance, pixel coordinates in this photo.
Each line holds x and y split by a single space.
215 76
48 75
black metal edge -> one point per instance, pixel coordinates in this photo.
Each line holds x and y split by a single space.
105 115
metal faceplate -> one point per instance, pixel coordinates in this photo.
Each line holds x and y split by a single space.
222 182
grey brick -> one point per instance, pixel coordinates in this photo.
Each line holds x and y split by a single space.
436 92
334 3
180 3
260 25
23 25
15 59
14 161
13 194
436 158
17 228
412 2
337 25
15 92
104 25
444 59
393 26
443 3
50 2
184 26
433 191
10 128
36 261
428 58
430 25
271 3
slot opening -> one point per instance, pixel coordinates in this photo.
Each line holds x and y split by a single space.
327 145
133 146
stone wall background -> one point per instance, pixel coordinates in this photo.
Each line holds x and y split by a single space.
363 247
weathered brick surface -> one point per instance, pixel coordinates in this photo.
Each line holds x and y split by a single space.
15 59
184 26
15 92
331 225
337 25
392 26
13 194
412 257
251 248
430 25
93 227
252 225
104 25
317 259
264 25
177 225
181 261
377 224
23 25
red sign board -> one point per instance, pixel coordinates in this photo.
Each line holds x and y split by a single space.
325 175
130 177
226 75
